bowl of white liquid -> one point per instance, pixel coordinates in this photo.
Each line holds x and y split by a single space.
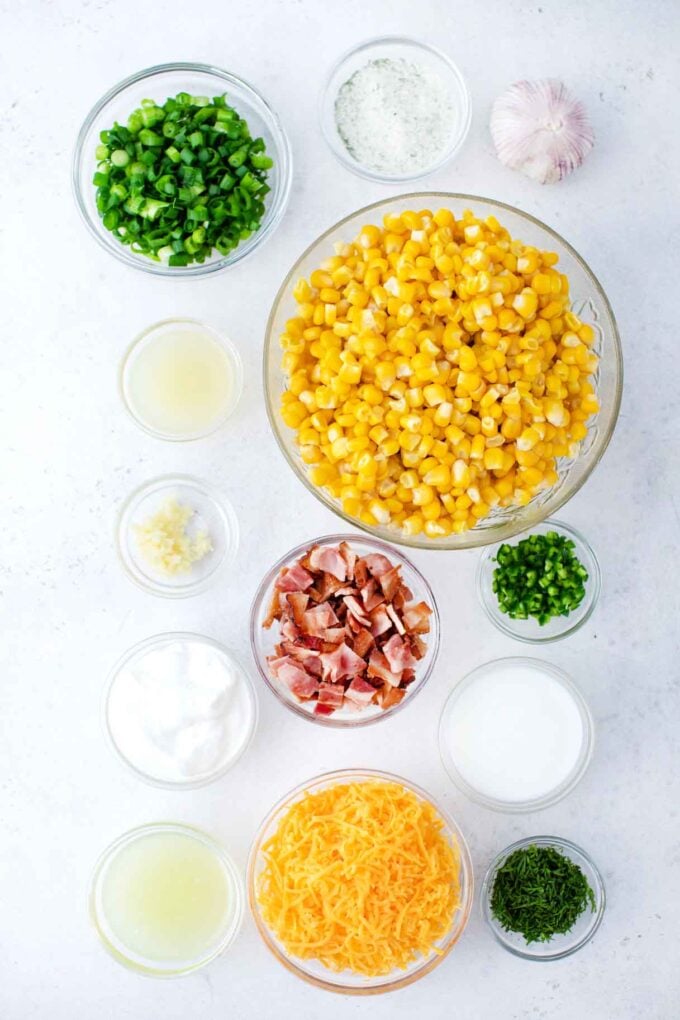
516 735
180 380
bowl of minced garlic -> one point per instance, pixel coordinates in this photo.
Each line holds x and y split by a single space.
437 381
358 883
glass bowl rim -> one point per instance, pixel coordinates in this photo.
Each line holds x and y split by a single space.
591 600
194 832
266 584
449 152
141 646
224 343
333 777
284 162
560 791
398 538
225 510
559 842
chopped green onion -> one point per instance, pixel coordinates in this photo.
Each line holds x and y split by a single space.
182 179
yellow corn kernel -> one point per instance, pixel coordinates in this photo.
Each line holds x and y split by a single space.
439 477
413 524
421 495
526 303
460 474
494 459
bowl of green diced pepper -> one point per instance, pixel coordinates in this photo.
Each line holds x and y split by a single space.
181 170
540 586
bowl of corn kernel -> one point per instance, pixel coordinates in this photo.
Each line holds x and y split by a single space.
442 370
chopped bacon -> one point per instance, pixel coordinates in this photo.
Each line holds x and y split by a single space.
349 633
360 692
328 560
394 617
390 582
380 621
331 694
379 667
350 558
398 654
318 619
341 663
294 578
377 564
371 596
354 607
298 602
416 618
363 641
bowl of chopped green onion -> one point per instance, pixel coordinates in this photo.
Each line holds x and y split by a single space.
182 170
543 898
541 586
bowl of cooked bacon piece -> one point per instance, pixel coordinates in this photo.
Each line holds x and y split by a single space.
344 630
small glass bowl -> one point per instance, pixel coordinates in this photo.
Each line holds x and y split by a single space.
262 641
396 48
140 964
547 799
560 945
213 513
247 708
558 627
151 334
159 83
346 982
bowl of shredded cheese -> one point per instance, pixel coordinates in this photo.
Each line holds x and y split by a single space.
359 883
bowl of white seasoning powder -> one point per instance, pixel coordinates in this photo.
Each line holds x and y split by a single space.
395 109
179 710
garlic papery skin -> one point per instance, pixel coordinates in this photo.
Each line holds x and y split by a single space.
538 127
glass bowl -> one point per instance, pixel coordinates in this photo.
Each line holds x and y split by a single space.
346 982
396 48
588 299
137 961
121 701
559 946
262 641
543 800
531 630
147 337
159 83
213 513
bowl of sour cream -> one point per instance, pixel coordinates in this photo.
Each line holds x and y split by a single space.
516 735
179 710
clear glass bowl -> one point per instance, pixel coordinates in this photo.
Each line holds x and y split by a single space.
149 336
313 971
588 299
262 641
396 48
539 802
213 513
531 630
242 700
159 83
560 945
128 957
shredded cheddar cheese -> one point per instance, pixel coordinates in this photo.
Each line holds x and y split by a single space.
360 876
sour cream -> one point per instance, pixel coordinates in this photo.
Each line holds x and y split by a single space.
180 710
516 732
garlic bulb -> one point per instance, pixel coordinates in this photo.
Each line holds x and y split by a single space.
539 128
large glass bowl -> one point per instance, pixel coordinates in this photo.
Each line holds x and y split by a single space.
588 300
263 640
159 83
347 982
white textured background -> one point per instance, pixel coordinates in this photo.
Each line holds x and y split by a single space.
70 455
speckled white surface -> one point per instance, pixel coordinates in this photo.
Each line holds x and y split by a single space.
70 455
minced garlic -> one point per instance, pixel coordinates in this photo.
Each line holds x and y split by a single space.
165 543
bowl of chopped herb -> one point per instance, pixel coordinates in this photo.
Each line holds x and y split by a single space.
542 587
181 170
543 898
